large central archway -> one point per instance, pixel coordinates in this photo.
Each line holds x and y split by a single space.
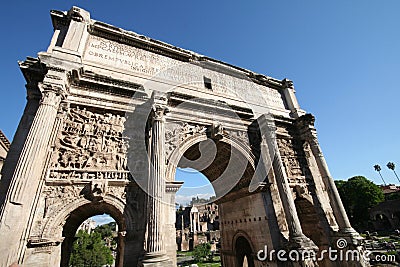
224 161
229 167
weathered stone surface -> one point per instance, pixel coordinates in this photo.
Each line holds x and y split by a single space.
110 116
4 147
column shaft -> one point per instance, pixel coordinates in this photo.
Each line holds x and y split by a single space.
156 187
191 222
269 148
33 152
309 134
286 195
26 177
334 197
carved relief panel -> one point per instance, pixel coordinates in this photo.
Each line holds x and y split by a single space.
294 159
177 132
90 145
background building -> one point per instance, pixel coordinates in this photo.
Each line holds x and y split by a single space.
197 224
88 225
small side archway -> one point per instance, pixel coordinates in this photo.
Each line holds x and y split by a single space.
244 251
64 221
78 216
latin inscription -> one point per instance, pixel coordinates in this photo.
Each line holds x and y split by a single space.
157 67
88 175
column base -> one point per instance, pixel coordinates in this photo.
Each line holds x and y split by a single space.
156 259
306 248
348 239
350 235
302 243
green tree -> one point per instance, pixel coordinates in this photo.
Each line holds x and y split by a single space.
89 250
201 252
106 230
358 195
108 234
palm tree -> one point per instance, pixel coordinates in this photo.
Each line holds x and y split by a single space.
391 166
378 169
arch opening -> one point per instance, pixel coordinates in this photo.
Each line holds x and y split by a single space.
76 228
225 166
221 170
195 189
382 222
244 253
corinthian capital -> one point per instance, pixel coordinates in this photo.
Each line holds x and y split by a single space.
160 108
51 94
159 112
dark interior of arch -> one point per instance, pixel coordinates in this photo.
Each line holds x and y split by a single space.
225 167
243 249
77 217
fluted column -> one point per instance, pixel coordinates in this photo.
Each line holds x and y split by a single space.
157 182
155 250
35 147
33 101
269 147
27 175
308 133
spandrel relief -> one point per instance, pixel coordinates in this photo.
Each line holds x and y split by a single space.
177 133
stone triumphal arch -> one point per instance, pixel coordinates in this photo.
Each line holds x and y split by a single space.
111 114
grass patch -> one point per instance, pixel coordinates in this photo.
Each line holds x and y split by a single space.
184 253
208 264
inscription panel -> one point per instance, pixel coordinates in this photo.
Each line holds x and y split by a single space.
153 66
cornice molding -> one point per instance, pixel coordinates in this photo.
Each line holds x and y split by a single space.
95 82
4 141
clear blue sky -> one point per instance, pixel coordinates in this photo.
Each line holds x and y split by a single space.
343 56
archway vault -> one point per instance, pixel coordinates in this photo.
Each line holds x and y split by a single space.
174 157
78 210
227 162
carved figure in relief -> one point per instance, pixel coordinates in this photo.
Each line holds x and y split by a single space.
117 192
173 137
59 194
302 191
91 140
